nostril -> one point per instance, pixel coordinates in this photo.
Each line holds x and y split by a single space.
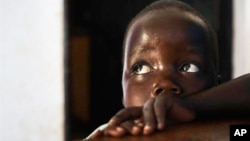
166 88
175 91
159 91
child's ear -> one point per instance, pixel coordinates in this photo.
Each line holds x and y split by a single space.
218 79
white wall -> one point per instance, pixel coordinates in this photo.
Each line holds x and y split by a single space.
31 70
241 42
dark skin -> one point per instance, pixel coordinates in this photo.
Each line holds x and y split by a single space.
168 77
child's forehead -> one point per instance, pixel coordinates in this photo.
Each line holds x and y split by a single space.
194 29
166 29
170 26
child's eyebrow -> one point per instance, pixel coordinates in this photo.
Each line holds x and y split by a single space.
198 50
193 49
141 50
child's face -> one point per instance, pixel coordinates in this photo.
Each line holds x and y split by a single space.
166 54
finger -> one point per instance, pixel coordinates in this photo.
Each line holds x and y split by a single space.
162 105
125 114
181 111
98 132
149 117
132 127
115 131
137 130
94 135
139 122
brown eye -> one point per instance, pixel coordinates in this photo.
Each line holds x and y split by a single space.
189 67
141 69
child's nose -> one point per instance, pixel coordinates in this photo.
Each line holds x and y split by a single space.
166 87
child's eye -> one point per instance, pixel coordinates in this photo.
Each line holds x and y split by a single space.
189 67
141 68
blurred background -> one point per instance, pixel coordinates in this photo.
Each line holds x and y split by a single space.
96 30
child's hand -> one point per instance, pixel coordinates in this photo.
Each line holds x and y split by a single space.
156 114
132 127
97 133
123 125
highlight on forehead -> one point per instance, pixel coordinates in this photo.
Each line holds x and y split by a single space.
182 8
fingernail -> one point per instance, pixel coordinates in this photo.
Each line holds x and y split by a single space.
135 130
147 127
147 130
119 129
160 126
140 124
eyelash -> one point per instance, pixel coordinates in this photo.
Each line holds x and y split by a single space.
140 65
192 68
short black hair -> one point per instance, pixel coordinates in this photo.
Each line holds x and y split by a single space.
182 7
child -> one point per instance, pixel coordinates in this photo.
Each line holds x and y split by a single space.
170 73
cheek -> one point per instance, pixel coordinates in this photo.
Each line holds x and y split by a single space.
135 94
